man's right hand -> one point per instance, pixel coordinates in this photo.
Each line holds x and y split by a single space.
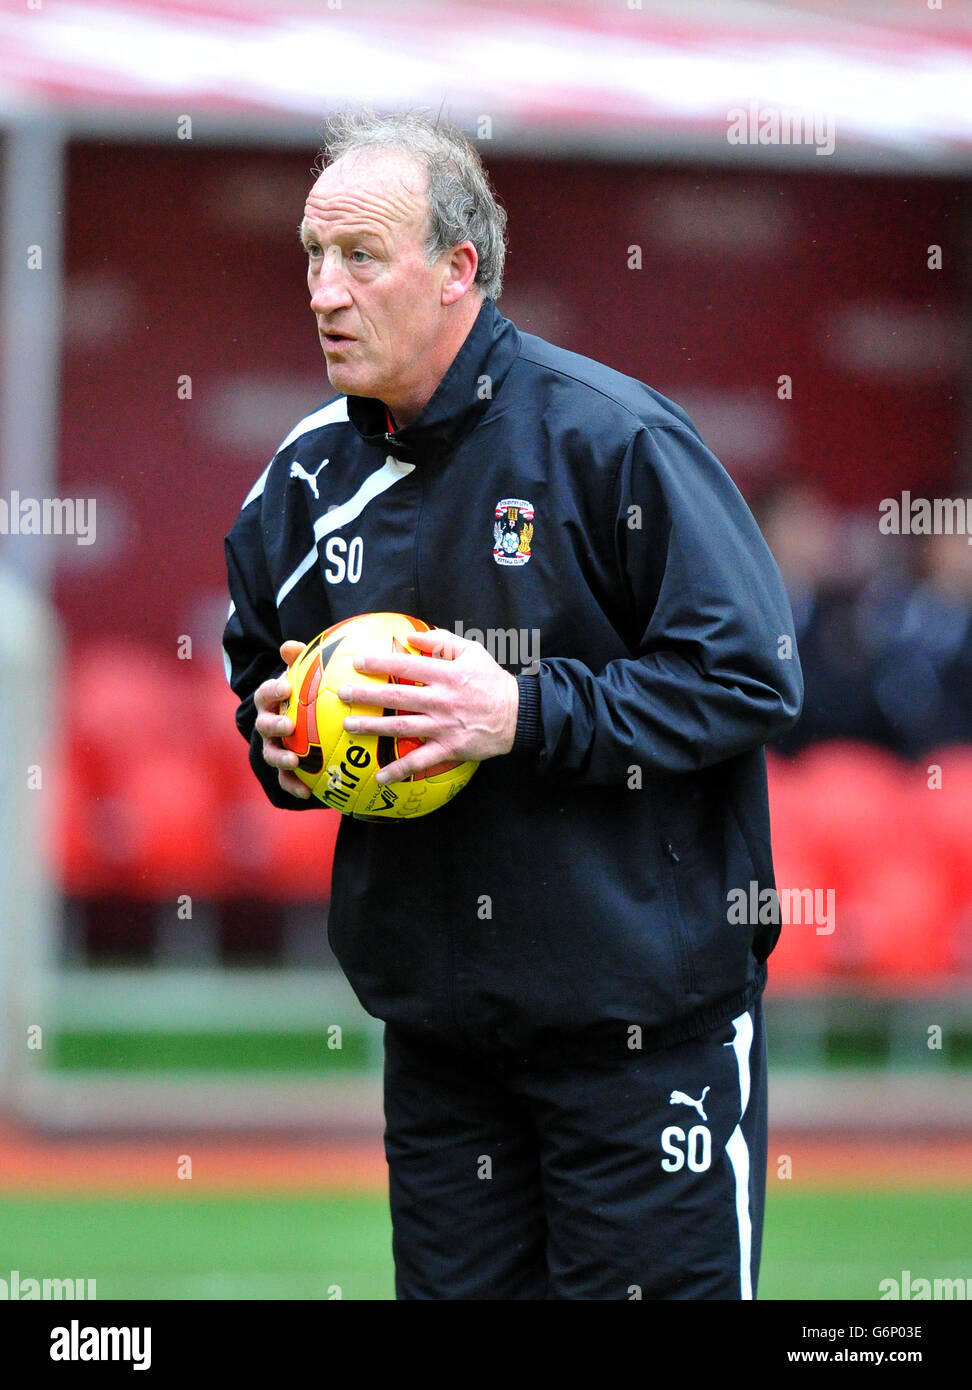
271 724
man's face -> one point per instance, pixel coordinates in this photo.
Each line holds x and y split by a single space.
377 302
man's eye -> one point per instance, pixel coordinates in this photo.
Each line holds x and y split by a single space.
312 249
359 252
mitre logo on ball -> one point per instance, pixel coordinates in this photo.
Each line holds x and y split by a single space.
340 767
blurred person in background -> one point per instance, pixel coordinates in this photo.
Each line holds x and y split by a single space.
806 532
921 630
884 627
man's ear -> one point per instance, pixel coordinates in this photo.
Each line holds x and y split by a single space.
462 263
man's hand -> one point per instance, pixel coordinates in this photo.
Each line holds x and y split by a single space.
465 709
271 724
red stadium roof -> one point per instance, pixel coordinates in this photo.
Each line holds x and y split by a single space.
892 79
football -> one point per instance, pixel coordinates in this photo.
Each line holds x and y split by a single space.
340 767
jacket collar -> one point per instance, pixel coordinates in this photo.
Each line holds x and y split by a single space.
458 402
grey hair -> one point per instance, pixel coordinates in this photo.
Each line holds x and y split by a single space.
462 204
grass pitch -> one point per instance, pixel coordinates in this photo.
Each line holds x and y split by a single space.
818 1245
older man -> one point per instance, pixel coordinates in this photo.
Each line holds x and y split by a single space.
575 1067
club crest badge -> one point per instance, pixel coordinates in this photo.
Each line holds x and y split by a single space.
512 531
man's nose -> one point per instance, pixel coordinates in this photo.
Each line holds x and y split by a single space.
329 286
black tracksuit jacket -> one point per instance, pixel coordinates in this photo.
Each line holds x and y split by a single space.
578 887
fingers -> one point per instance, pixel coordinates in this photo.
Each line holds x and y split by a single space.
272 725
430 755
439 642
276 754
403 668
284 760
411 698
294 785
394 772
272 694
405 768
391 725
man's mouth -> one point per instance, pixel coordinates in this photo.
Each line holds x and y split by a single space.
335 340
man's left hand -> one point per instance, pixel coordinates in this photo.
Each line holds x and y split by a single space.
465 708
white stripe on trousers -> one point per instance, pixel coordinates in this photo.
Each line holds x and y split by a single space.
738 1154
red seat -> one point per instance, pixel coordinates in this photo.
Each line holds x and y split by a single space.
153 795
78 863
160 829
895 925
855 819
802 956
854 799
940 790
120 699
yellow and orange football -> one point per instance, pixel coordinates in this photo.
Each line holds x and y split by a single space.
339 767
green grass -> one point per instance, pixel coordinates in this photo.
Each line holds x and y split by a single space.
189 1247
841 1244
818 1245
237 1051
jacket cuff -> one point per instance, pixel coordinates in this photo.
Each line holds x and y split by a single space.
529 735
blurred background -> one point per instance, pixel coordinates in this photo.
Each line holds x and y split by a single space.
178 1116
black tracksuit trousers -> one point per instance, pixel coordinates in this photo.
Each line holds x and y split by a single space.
639 1177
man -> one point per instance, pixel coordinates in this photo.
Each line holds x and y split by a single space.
575 1090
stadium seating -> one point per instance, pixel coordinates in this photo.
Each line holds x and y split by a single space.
162 801
893 847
